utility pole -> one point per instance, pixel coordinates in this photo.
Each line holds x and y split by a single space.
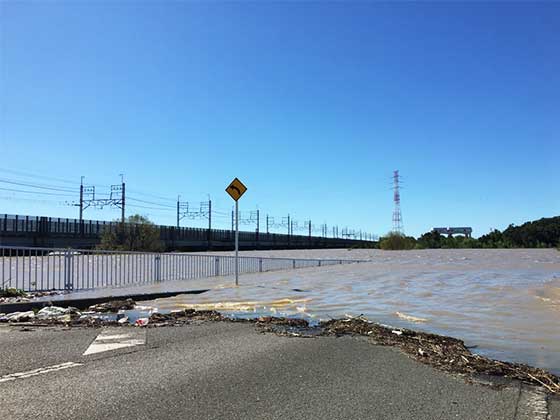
289 228
123 199
178 204
209 215
209 222
81 198
309 222
267 224
258 226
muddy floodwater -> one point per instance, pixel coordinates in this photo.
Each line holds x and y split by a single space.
504 302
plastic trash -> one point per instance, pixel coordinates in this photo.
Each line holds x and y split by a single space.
141 322
20 316
51 312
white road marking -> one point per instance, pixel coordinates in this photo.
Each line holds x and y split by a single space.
114 338
40 371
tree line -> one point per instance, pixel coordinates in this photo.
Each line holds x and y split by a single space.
542 233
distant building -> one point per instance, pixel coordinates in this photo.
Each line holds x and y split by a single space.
450 231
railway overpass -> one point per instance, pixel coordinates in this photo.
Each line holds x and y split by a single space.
51 232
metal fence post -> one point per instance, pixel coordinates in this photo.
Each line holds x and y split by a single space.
260 265
68 280
158 267
217 266
293 263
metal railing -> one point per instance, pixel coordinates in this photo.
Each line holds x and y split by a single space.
42 269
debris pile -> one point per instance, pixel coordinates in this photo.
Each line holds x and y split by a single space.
107 313
18 317
294 327
12 295
445 353
113 306
184 316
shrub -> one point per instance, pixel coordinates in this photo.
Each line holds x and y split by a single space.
136 234
397 241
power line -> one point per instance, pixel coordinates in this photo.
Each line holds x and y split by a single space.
38 186
36 192
152 195
8 198
151 202
137 206
30 175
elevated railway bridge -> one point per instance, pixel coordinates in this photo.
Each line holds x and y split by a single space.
51 232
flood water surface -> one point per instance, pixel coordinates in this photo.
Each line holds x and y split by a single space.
504 302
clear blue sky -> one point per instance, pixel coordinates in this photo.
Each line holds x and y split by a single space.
312 105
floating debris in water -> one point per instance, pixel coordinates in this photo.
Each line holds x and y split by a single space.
410 317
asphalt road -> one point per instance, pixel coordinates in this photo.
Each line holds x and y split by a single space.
230 371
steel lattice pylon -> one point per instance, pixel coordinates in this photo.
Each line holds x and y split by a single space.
397 216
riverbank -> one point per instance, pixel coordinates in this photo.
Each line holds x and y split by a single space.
441 352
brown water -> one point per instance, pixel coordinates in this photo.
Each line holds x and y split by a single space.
505 302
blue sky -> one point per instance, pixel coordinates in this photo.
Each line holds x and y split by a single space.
312 105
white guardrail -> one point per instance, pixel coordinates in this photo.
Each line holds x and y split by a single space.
42 269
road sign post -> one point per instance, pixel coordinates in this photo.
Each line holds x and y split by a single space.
236 243
236 189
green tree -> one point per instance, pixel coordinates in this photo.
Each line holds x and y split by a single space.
430 239
493 239
544 232
138 233
397 241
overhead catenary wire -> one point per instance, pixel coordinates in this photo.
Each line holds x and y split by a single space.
152 195
42 177
159 203
150 202
38 186
36 192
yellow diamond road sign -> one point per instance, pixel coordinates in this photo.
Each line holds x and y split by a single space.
236 189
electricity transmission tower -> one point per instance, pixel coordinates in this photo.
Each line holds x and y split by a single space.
397 216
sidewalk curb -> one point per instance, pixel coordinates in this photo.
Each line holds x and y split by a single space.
84 303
